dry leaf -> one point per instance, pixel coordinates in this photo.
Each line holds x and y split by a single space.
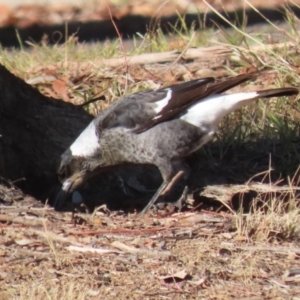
92 250
60 88
140 251
178 275
240 238
198 282
25 242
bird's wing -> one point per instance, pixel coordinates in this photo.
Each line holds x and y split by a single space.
143 110
183 98
140 108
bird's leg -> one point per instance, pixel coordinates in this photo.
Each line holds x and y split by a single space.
172 183
155 197
184 195
185 192
182 198
167 185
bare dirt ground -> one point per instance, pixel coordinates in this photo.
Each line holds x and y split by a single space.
112 255
214 249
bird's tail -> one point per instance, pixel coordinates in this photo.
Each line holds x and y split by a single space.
279 92
214 108
230 102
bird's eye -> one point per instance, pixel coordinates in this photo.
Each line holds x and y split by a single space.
62 173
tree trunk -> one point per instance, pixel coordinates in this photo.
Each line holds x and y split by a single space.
34 132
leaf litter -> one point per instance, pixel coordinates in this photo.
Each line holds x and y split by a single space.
186 253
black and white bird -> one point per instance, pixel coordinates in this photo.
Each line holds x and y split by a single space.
159 127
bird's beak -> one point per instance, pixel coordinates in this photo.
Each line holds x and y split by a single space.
62 194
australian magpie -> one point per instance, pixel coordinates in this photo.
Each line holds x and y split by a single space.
159 127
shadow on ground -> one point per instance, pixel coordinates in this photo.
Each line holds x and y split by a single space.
128 26
131 187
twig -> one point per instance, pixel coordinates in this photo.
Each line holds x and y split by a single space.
23 220
133 250
92 250
122 231
278 249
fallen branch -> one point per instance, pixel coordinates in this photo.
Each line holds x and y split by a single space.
224 193
140 251
199 54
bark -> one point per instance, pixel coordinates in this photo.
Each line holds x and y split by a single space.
34 132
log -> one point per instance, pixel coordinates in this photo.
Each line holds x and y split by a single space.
34 132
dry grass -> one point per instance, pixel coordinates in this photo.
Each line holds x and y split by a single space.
226 254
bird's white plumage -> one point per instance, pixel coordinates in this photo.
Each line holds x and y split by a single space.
163 102
211 110
87 142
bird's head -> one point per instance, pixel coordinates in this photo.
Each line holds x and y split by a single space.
72 173
78 163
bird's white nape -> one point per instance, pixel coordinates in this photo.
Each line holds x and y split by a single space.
211 110
87 143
